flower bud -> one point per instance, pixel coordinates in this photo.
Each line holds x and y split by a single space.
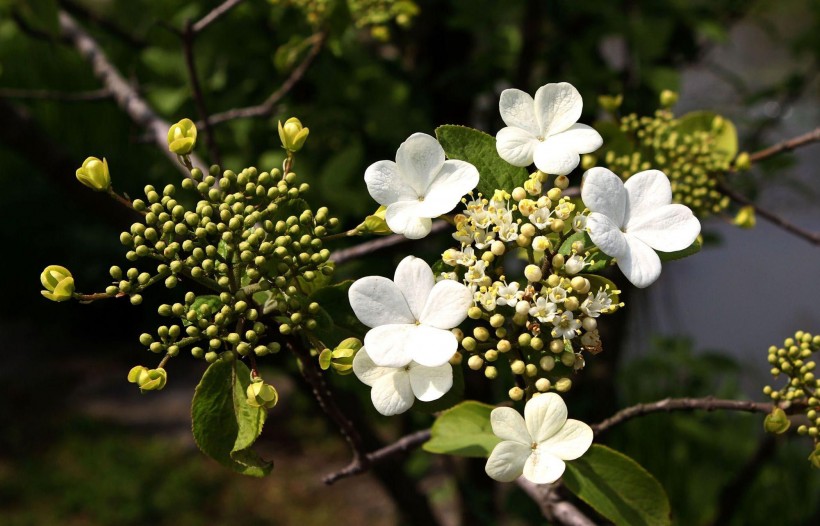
341 358
574 265
292 134
58 283
94 174
776 422
261 394
533 273
182 137
610 102
148 379
745 217
375 223
668 98
743 162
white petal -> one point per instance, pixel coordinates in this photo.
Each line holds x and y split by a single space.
553 156
646 191
602 191
366 369
385 185
506 462
606 235
517 109
403 218
446 305
415 280
557 107
392 394
378 301
570 442
419 160
516 146
430 383
640 264
455 179
387 345
667 228
543 468
544 415
580 138
508 424
430 346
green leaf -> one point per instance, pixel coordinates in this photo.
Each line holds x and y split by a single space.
725 138
478 149
464 431
224 425
694 248
333 301
618 488
451 398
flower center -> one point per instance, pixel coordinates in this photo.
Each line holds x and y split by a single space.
421 198
534 446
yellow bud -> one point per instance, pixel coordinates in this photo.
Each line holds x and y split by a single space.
292 134
776 422
182 137
745 217
341 358
588 161
610 102
58 283
375 223
148 379
743 162
94 174
668 98
261 394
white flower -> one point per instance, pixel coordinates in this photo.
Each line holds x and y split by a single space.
543 310
419 186
566 326
629 220
394 389
509 294
593 306
538 444
411 316
558 294
544 129
574 264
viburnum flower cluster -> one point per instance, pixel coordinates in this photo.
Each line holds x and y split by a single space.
521 286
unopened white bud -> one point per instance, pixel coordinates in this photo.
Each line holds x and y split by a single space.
533 274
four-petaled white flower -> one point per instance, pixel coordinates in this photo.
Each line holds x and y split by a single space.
394 389
419 186
537 444
544 130
411 316
629 221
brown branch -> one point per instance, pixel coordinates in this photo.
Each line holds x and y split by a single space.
267 107
786 146
681 404
124 94
325 398
552 506
368 247
811 237
199 99
62 96
216 13
402 445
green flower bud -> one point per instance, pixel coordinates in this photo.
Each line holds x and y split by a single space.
94 174
745 217
610 102
292 134
475 362
182 137
261 394
342 356
814 458
324 359
148 379
743 162
58 282
776 422
668 98
375 223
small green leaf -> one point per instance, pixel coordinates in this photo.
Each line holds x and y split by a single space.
618 488
224 425
464 431
478 149
694 248
725 137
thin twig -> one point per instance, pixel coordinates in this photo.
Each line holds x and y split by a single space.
62 96
328 404
553 507
124 94
267 107
211 17
811 237
199 98
681 404
402 445
786 146
368 247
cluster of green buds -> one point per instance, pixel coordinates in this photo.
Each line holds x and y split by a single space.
373 14
687 149
249 252
795 361
542 325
